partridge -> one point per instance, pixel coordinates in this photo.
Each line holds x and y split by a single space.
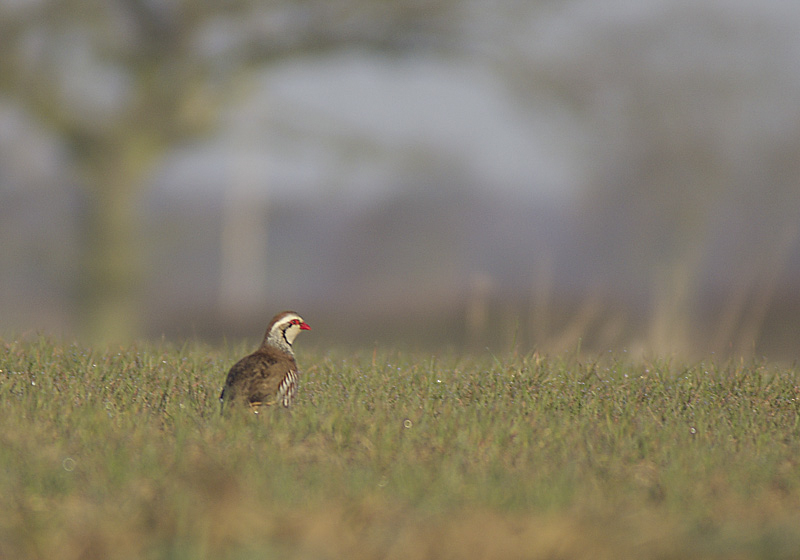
269 375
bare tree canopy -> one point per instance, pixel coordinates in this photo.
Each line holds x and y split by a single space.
121 81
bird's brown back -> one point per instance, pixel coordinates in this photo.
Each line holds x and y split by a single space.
257 377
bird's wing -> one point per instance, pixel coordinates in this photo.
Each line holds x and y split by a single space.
262 377
244 374
271 387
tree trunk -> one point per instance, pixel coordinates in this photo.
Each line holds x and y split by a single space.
111 269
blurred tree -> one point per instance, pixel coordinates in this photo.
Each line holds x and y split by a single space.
689 114
121 81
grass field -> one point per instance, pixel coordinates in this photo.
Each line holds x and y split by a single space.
389 454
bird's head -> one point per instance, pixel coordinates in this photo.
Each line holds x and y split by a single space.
283 329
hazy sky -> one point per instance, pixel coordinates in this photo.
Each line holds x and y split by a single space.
355 123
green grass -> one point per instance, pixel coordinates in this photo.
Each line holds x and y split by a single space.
389 454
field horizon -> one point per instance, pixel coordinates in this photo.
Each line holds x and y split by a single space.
122 453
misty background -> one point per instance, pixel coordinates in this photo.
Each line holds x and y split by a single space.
606 175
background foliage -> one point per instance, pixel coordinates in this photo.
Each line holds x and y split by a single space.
623 175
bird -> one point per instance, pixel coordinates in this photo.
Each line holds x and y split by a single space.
269 375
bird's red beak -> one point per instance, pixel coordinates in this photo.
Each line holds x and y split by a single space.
304 327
